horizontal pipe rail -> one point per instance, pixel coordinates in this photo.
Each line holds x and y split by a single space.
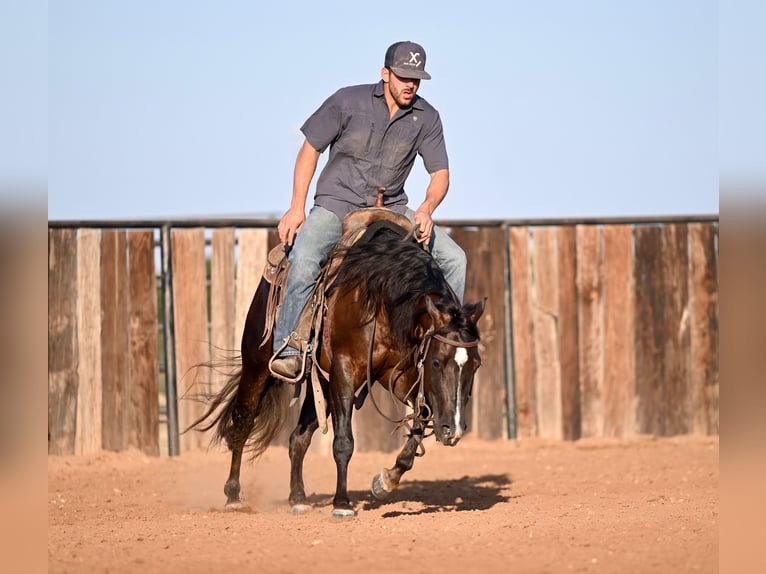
272 222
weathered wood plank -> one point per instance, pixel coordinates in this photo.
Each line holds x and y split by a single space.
649 306
590 290
678 418
545 316
619 332
492 325
191 329
144 364
252 252
89 391
485 277
568 333
114 339
662 330
703 291
224 348
523 333
62 340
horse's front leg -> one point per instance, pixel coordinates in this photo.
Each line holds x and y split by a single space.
387 480
300 440
341 407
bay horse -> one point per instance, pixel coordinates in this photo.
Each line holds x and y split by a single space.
390 318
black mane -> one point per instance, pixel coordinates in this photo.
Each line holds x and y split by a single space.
395 275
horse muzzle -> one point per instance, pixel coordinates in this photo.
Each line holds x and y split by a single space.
447 434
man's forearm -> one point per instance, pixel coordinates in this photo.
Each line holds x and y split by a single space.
305 166
437 190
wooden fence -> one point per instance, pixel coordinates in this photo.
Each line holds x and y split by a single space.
103 360
592 329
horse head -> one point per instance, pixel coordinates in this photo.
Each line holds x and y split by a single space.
450 360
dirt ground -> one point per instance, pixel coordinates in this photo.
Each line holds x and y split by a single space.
645 505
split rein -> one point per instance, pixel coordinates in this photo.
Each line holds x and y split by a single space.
421 422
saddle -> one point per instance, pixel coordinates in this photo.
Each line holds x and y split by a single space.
358 225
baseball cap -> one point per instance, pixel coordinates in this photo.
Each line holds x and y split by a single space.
407 60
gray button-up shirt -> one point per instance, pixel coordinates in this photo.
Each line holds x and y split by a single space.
368 150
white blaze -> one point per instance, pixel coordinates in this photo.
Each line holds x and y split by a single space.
461 357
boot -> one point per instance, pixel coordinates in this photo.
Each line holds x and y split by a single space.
289 367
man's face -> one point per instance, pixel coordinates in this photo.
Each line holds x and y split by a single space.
402 90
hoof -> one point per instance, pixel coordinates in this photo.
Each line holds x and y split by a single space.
381 487
235 505
343 512
301 508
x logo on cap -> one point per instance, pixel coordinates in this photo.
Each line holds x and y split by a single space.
414 58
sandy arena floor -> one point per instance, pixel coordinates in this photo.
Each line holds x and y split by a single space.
645 505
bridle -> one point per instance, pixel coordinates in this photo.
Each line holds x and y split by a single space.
421 418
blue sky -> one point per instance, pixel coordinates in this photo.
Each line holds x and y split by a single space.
555 108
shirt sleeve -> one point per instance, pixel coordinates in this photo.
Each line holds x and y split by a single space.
324 125
433 150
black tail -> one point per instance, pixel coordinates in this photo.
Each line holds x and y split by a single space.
242 420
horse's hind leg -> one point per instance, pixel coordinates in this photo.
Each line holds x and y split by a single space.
387 480
242 420
242 424
231 489
300 440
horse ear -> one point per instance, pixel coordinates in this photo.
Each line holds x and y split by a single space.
439 319
475 310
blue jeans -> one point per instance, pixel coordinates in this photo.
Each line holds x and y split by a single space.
313 243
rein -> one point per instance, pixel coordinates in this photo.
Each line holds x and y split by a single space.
420 351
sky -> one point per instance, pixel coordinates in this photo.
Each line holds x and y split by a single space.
554 108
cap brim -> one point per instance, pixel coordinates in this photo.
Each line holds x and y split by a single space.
410 74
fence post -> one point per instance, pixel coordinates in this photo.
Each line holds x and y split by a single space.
510 390
169 337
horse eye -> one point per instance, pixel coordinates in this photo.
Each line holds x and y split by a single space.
435 363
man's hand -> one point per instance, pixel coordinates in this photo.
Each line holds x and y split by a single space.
437 189
290 224
424 224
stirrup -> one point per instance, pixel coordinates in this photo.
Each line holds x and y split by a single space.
301 374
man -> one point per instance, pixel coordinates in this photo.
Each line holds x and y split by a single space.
374 133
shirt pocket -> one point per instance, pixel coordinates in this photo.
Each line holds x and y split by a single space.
400 144
357 136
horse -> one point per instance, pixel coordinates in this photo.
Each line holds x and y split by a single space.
390 318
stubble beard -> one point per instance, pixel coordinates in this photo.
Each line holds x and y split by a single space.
397 95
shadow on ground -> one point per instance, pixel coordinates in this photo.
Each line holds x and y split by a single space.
465 494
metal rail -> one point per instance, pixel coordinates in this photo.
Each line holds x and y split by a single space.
272 222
